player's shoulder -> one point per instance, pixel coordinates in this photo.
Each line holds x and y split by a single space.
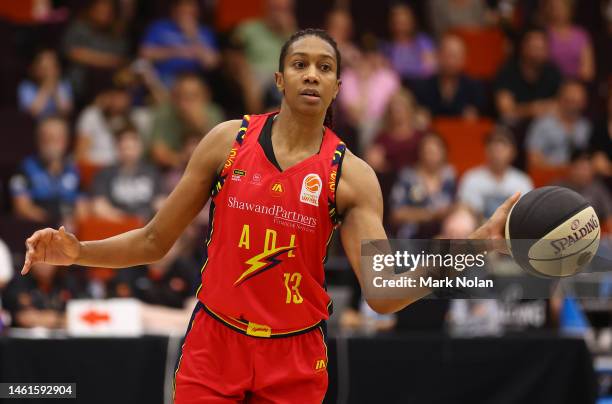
358 182
217 143
355 169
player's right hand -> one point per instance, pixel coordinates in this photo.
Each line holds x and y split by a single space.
55 247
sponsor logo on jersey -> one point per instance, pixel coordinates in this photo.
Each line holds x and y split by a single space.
238 174
332 181
320 365
279 213
277 189
255 179
230 158
311 189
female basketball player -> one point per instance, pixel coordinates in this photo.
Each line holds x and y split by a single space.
280 184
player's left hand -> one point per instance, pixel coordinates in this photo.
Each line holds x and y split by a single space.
494 228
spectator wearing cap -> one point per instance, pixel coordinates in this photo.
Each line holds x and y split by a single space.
131 187
581 178
551 138
98 123
526 85
411 53
45 93
451 92
46 188
190 110
180 44
486 187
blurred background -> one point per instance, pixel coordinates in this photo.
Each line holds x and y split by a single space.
456 104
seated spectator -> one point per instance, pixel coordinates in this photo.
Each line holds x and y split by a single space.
551 138
570 45
46 189
180 44
189 111
581 178
601 144
411 53
94 46
339 25
486 187
98 123
45 93
39 298
263 38
366 90
232 84
451 92
130 187
423 195
525 86
446 15
396 145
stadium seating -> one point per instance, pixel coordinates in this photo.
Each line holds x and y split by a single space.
465 140
546 176
485 51
94 228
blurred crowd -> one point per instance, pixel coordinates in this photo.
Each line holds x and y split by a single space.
456 104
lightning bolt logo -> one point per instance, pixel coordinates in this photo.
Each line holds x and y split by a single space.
262 262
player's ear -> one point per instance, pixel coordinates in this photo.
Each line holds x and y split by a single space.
280 82
338 84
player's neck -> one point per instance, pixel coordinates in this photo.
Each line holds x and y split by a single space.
297 132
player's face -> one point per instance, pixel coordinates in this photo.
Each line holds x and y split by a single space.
310 80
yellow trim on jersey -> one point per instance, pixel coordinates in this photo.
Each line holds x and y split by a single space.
254 329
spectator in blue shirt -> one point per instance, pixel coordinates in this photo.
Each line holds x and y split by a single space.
46 188
45 93
424 194
180 44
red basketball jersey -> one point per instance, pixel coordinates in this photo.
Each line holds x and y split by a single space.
269 234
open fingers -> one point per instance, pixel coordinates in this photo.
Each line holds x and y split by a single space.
33 244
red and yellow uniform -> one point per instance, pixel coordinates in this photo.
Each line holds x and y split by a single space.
257 329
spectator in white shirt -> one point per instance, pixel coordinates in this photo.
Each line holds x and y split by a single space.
484 188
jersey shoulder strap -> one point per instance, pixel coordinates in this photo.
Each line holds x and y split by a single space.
334 177
250 126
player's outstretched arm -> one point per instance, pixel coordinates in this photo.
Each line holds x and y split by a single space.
151 242
359 200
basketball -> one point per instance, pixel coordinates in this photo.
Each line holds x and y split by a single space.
552 232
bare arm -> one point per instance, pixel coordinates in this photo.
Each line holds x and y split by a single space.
27 209
94 58
152 242
360 202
